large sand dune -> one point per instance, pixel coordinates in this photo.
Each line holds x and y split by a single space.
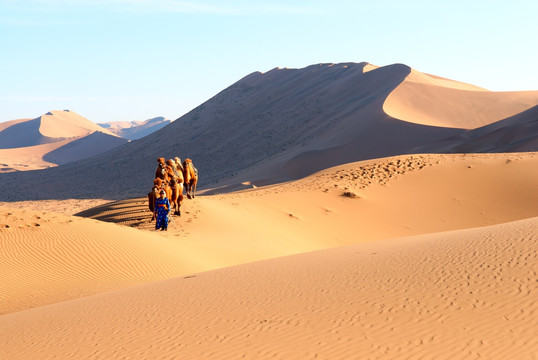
288 123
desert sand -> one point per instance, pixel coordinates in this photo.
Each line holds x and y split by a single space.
420 256
344 212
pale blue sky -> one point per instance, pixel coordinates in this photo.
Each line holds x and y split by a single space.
134 59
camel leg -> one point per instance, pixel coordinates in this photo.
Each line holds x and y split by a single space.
189 191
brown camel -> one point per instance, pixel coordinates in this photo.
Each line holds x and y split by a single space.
153 195
160 172
191 177
176 184
179 165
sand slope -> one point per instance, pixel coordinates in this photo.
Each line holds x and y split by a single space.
464 294
47 258
353 203
55 138
517 133
28 158
289 123
427 100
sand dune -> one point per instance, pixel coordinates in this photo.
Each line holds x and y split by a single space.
66 123
55 138
48 258
353 203
517 133
428 100
289 123
313 255
463 294
51 127
28 158
84 148
133 130
4 125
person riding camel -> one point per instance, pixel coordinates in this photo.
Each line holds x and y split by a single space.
172 164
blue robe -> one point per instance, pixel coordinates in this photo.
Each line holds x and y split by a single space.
163 207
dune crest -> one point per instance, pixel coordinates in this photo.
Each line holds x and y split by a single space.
434 101
67 124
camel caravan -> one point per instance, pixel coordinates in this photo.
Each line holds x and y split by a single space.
174 179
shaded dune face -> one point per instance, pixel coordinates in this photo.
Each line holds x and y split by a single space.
23 134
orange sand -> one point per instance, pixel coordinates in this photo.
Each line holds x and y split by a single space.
462 286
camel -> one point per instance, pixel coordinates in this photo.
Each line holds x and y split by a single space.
153 195
169 179
179 166
176 185
191 177
161 169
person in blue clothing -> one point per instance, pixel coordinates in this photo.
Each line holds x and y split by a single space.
162 208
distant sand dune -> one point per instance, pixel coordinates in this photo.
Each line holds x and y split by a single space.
55 138
64 124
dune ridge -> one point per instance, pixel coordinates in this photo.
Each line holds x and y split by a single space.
285 124
428 100
66 124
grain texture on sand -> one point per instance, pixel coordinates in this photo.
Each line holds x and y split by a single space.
464 294
47 258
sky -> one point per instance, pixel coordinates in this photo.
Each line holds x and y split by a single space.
124 60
